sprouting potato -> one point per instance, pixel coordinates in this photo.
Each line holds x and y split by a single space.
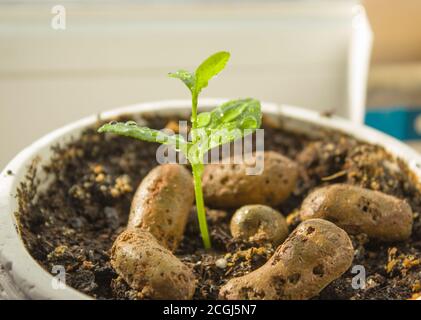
316 253
228 185
360 210
150 268
162 203
259 223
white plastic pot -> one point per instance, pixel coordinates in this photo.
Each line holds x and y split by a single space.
22 277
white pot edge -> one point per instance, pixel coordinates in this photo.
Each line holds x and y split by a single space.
22 277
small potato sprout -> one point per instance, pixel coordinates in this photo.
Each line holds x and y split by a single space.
228 185
316 253
259 223
224 124
360 210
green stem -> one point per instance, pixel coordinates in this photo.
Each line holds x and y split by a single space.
200 205
197 168
194 110
194 117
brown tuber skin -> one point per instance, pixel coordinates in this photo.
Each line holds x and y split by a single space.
228 185
150 268
141 254
360 210
259 223
316 253
162 204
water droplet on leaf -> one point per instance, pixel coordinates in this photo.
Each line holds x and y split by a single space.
203 119
131 123
249 123
233 113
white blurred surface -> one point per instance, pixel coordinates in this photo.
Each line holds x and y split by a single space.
308 53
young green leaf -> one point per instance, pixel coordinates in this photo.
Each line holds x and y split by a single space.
210 68
187 77
133 130
241 114
228 122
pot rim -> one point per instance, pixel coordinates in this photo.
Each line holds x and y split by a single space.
25 278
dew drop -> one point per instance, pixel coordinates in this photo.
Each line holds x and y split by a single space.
203 119
131 123
233 113
249 123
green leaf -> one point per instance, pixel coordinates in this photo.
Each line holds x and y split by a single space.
241 114
133 130
228 122
210 68
187 77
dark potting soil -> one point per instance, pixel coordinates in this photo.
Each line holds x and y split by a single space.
75 220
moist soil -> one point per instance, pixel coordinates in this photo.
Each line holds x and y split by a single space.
74 221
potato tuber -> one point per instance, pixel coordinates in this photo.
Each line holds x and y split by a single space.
316 253
162 204
360 210
150 268
259 223
228 185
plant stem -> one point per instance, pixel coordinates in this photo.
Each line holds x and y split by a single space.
197 168
194 111
200 205
194 117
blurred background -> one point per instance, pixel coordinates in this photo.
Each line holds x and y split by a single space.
62 60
